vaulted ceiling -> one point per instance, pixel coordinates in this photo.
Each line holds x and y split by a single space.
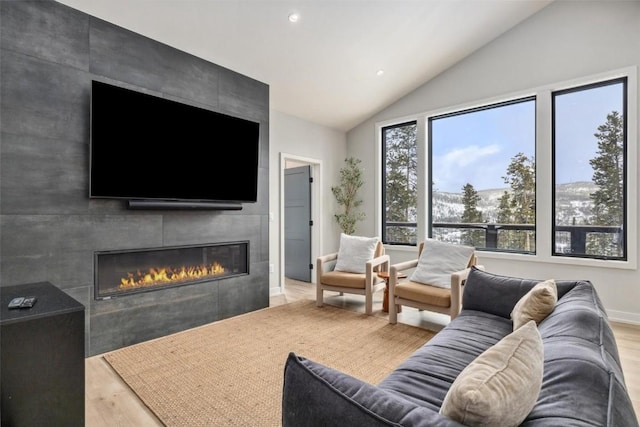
341 62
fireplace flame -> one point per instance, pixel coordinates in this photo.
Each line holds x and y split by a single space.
164 275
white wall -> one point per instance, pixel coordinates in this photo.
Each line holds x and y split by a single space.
301 139
566 40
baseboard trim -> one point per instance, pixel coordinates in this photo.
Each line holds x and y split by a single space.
275 291
624 317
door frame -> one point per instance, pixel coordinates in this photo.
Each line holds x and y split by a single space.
297 221
316 209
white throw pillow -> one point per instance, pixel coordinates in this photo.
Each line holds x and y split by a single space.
438 260
355 252
501 386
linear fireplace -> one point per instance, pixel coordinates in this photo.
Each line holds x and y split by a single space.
141 270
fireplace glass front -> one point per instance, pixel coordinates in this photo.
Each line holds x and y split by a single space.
131 271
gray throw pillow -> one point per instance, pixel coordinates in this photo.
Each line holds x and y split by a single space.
501 386
536 304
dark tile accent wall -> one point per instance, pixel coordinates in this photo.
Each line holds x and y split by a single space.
49 228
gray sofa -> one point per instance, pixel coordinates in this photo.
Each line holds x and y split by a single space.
582 385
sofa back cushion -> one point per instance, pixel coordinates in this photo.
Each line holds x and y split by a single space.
498 295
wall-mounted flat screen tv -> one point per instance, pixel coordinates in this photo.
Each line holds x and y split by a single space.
145 147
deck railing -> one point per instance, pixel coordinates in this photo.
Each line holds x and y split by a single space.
574 240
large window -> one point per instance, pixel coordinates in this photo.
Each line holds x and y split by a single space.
482 176
542 174
400 184
589 173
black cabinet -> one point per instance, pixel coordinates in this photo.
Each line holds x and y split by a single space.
42 358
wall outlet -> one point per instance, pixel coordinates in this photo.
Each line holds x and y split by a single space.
271 268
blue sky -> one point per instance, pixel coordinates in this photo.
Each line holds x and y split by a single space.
578 116
478 147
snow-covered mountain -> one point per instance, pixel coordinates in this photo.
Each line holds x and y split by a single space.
573 204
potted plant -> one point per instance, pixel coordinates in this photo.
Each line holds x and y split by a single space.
346 194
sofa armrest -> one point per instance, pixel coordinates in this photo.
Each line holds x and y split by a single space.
316 395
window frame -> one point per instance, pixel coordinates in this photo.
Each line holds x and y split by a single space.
625 184
383 152
475 109
544 163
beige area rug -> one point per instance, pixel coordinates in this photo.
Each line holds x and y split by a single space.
230 373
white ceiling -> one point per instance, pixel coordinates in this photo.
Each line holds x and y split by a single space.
323 68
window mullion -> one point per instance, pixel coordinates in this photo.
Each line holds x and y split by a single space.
544 175
423 179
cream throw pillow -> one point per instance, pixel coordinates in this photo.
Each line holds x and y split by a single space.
355 252
438 260
536 304
501 386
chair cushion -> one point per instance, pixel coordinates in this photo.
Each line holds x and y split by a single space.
438 260
535 304
501 386
425 294
343 279
355 252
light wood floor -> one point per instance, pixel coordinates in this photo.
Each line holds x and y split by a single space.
110 402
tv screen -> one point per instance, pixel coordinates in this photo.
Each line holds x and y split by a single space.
150 148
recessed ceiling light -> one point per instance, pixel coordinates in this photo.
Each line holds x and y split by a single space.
294 17
379 73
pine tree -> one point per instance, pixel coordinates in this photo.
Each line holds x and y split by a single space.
401 182
518 206
504 209
521 176
608 175
471 215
